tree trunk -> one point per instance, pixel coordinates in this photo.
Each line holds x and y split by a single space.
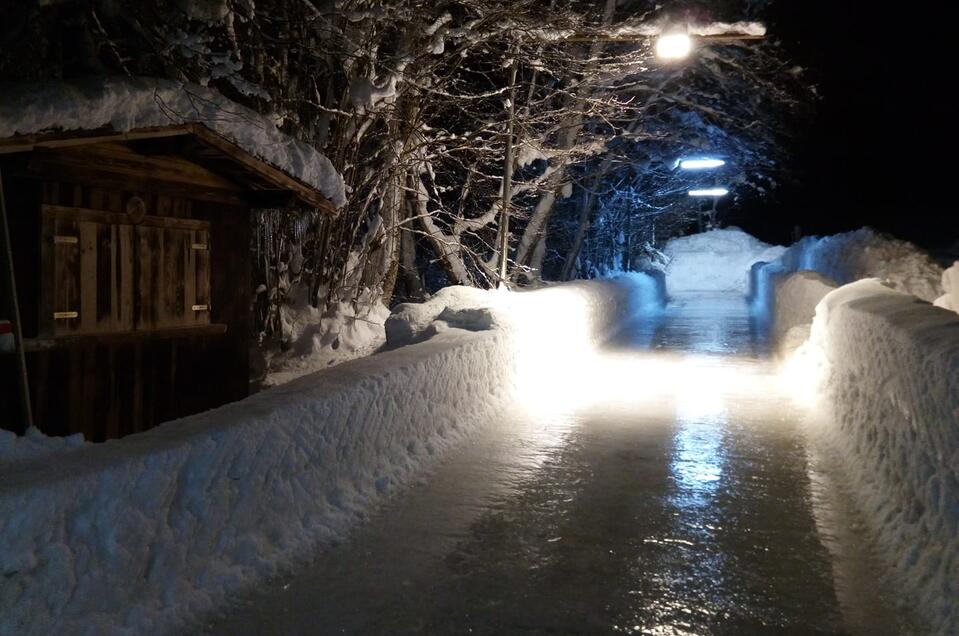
533 234
586 211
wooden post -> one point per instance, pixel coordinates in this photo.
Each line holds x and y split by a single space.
27 411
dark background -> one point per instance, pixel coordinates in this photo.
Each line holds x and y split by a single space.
882 148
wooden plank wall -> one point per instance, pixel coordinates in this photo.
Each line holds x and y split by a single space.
107 391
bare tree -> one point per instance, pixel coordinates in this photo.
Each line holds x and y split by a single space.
409 100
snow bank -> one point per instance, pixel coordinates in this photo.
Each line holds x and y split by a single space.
887 370
715 261
522 312
796 298
950 285
147 533
128 103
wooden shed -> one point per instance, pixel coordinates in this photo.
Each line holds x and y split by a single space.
131 253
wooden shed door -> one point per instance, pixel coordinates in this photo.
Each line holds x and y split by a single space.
104 274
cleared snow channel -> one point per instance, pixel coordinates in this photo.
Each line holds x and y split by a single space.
151 531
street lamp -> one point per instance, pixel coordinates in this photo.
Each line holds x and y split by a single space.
705 163
709 192
673 46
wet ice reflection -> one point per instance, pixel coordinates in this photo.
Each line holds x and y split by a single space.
698 463
637 490
701 418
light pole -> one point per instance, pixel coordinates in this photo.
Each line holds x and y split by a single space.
709 192
699 164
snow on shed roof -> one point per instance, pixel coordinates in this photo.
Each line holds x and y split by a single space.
126 104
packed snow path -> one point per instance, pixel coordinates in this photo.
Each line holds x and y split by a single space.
675 495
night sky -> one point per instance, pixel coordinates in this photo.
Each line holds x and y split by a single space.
880 149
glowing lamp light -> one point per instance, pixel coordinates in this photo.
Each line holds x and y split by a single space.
705 163
673 46
709 192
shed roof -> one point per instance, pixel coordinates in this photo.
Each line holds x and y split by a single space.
227 135
197 143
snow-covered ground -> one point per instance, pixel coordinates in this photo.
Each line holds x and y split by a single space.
127 103
146 533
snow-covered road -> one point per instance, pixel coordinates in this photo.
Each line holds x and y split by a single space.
674 493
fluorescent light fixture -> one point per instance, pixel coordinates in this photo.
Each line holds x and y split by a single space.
673 46
709 192
706 163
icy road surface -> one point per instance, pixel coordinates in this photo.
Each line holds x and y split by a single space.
670 492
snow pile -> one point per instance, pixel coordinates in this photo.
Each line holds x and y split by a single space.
950 285
34 444
529 314
886 367
316 338
148 533
865 253
796 298
715 261
460 307
129 103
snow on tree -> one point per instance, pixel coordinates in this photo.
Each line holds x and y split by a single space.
410 102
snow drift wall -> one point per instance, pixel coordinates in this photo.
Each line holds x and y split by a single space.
715 261
888 375
147 533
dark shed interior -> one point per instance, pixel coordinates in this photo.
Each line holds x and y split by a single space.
132 260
